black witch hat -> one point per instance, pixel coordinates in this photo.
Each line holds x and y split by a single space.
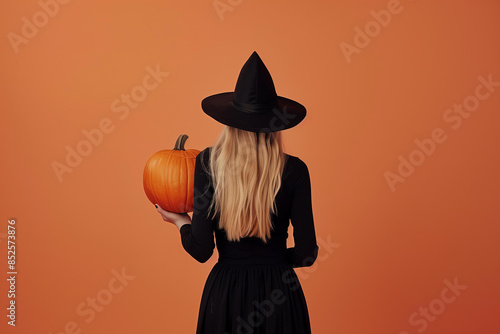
254 105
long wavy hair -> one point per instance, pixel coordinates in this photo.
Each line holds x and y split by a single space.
246 169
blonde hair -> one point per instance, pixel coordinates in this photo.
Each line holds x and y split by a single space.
246 169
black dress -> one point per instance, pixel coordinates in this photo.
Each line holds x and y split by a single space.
253 287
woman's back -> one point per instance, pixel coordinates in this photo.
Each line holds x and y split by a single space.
253 288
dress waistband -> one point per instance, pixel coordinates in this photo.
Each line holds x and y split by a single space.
253 261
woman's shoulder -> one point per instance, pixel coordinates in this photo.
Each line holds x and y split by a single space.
205 153
202 160
295 166
295 161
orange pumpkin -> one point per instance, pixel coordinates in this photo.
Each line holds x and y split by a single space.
168 177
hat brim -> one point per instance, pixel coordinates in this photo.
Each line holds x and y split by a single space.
288 113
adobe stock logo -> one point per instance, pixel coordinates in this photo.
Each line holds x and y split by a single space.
430 311
97 302
426 147
30 28
265 307
279 121
94 137
221 6
373 28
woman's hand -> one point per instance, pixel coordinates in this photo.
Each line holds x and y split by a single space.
178 219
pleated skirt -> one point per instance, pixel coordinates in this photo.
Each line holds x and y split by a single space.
253 299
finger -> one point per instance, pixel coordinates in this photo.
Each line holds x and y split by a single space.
160 209
166 215
163 217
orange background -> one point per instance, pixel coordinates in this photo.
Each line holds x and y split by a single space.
384 253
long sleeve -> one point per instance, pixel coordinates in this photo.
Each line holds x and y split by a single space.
198 237
305 250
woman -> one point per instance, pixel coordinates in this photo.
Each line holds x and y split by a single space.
246 191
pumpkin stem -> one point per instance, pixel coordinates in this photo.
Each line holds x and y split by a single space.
179 144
